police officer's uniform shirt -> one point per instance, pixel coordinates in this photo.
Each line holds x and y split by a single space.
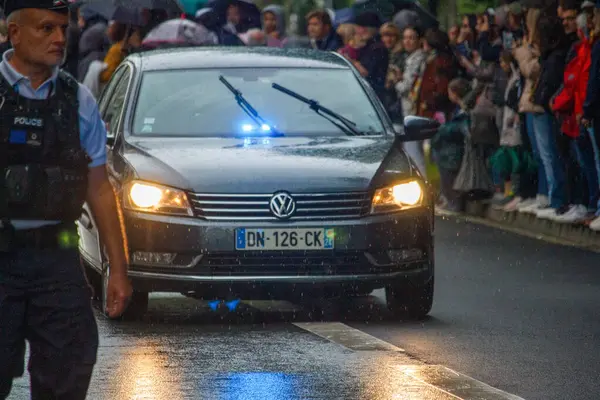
91 127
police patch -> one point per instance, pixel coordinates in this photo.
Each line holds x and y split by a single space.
29 122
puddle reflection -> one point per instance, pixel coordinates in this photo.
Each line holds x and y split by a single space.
142 371
183 350
257 385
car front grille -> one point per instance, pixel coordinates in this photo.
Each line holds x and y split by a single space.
255 207
283 263
289 264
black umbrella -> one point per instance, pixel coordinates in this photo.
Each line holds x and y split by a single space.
112 12
389 8
172 7
426 19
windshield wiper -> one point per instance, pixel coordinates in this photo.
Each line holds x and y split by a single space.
346 126
249 110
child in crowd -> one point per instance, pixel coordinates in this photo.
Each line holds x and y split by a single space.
448 145
510 162
352 41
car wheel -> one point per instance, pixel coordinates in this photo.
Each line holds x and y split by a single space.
408 300
138 306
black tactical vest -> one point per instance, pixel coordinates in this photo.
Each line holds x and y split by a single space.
43 168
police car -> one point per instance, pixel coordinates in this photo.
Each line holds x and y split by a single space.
261 173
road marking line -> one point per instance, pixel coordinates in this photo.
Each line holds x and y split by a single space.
438 377
346 336
455 384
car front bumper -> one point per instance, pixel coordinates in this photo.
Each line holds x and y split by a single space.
369 251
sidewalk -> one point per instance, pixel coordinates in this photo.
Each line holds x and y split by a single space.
529 225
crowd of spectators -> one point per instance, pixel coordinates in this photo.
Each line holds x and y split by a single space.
517 91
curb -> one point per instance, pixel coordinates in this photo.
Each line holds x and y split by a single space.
529 225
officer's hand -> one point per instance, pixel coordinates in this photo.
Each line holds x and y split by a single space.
118 294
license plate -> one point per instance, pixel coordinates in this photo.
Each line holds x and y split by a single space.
285 239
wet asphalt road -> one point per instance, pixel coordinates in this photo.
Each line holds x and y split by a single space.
516 313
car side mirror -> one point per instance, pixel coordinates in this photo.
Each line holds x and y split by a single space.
418 128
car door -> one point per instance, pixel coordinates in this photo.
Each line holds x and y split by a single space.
110 105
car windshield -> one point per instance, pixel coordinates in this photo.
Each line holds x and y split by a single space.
197 103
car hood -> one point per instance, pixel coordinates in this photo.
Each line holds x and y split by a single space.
266 165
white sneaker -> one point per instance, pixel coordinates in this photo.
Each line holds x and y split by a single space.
576 214
541 202
547 213
526 203
595 225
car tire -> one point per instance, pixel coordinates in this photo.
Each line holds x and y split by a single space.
138 305
407 300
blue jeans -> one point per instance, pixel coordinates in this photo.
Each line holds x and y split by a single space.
584 149
542 184
546 129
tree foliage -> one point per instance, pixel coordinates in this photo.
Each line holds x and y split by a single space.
474 6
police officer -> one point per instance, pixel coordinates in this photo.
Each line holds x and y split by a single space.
52 160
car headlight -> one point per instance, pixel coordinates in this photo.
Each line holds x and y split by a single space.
150 197
398 197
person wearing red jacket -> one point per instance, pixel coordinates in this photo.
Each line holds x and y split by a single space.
568 104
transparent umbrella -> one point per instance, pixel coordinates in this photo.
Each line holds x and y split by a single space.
179 32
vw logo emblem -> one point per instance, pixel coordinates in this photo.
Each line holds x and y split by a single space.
282 205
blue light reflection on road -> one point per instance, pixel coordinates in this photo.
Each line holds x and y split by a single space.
259 386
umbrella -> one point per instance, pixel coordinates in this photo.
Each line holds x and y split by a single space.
388 8
191 6
112 12
343 16
170 6
180 32
407 18
385 8
251 16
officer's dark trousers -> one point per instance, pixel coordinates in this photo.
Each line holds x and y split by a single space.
45 299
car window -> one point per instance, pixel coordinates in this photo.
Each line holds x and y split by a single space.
109 89
197 103
116 103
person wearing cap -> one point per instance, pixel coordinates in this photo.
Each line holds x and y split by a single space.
53 156
373 60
